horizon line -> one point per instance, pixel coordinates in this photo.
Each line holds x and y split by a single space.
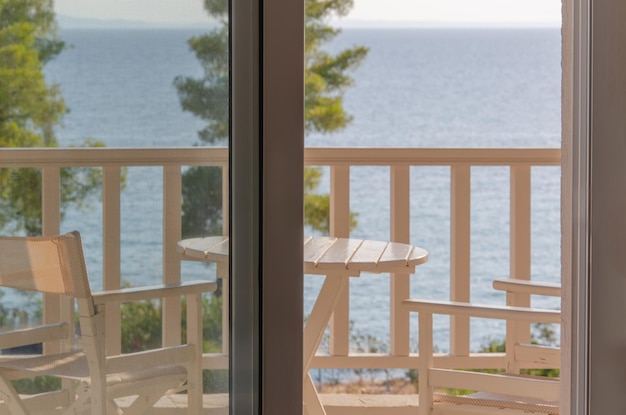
342 23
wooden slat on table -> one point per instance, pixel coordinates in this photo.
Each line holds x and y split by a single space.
339 254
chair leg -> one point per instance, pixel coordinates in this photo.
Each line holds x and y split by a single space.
81 404
142 404
194 391
194 370
11 398
99 404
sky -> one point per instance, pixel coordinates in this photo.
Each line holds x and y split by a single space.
444 12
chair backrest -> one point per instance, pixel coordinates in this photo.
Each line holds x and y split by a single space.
48 264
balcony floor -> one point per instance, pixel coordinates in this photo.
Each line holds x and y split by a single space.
335 404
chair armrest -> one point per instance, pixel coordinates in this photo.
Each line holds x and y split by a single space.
40 334
536 315
527 287
153 291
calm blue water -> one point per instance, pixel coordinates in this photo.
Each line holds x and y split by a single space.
417 88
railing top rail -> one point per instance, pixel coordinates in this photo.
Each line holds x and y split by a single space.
328 156
313 156
107 156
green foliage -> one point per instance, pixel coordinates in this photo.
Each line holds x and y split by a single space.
202 201
326 76
141 330
29 110
38 384
326 79
317 206
21 191
141 326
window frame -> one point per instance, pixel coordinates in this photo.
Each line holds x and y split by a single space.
267 169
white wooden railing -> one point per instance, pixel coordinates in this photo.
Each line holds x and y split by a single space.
399 161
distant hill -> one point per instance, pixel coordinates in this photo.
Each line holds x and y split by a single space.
70 22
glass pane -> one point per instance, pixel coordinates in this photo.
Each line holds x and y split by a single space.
419 88
141 87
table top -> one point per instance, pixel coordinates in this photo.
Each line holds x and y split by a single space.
325 255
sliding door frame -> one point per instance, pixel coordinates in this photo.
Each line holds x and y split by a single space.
266 171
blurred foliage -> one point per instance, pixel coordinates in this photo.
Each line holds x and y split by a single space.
30 108
326 80
141 330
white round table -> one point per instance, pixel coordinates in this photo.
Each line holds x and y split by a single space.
337 259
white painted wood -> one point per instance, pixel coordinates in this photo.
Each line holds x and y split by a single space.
397 159
312 403
152 291
339 220
314 156
400 211
319 156
445 408
139 360
334 258
194 340
339 254
320 315
51 224
520 252
51 200
426 355
400 218
520 223
484 310
536 356
324 255
172 189
353 404
148 375
524 387
208 249
509 384
368 255
460 199
412 361
111 251
34 335
527 287
315 248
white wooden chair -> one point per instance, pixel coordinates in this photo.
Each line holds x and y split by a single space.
502 393
92 380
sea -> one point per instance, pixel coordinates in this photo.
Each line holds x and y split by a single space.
419 87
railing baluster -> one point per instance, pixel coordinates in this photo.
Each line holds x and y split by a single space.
340 227
111 252
520 162
51 200
172 190
51 225
400 192
460 196
520 211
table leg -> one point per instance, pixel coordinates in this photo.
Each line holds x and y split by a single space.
314 331
312 403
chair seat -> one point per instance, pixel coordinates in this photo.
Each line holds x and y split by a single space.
500 401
